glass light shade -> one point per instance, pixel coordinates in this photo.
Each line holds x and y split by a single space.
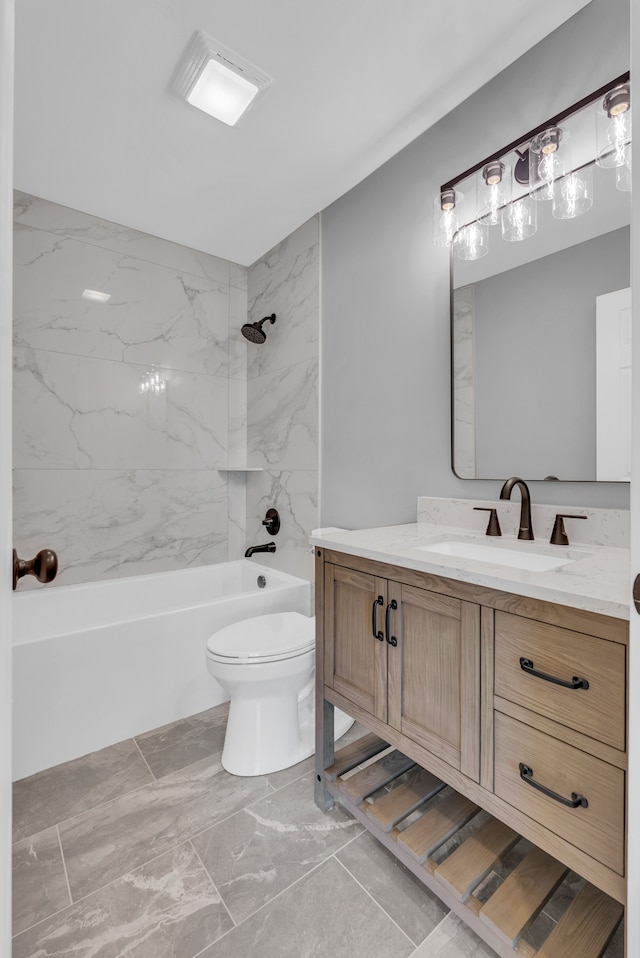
573 195
222 93
472 242
548 162
445 217
613 128
623 174
493 191
519 220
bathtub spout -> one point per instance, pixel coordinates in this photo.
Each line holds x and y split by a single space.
267 547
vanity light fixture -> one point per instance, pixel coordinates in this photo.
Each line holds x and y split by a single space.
494 192
217 80
445 219
573 195
472 242
613 127
520 220
538 166
547 162
623 174
95 296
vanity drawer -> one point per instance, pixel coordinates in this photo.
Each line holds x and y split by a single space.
597 829
597 711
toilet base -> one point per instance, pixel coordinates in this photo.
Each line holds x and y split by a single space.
240 758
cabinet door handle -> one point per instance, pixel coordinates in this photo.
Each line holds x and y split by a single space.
527 666
392 606
576 801
375 633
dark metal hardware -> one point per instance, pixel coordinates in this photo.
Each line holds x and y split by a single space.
527 666
391 607
377 635
272 522
559 535
527 137
493 529
576 801
526 529
636 593
44 566
267 547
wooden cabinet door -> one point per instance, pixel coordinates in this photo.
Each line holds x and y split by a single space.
355 661
434 675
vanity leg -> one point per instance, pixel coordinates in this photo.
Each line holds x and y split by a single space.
324 751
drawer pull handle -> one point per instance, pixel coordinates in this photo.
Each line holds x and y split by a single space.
527 666
392 606
377 635
576 801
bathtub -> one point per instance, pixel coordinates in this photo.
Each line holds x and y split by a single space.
100 662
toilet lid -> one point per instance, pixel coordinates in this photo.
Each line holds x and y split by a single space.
279 635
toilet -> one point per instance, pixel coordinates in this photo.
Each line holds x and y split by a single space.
267 666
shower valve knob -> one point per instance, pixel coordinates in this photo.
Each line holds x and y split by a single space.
44 566
272 522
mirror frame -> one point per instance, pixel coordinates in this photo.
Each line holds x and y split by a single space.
525 139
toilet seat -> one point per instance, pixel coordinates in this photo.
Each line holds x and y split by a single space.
265 638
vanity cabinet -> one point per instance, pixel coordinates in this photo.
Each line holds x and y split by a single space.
517 704
408 656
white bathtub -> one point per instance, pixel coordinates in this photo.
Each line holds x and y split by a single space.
97 663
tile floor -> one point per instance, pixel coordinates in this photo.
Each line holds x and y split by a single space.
149 849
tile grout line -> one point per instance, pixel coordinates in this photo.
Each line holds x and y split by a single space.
376 903
70 235
154 777
267 904
208 874
64 865
97 891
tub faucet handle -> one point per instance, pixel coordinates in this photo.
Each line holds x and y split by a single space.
44 566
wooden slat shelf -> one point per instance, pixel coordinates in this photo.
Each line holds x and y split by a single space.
435 815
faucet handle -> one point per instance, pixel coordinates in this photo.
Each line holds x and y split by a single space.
493 529
559 535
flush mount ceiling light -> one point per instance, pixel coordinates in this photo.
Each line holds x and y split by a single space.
218 81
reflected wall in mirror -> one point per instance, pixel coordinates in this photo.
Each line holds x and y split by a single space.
539 387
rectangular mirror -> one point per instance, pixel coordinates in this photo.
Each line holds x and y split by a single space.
540 329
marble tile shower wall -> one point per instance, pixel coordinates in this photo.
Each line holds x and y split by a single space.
282 397
120 482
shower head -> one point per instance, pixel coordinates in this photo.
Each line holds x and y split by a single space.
254 331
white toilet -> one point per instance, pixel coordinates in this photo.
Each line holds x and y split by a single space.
267 665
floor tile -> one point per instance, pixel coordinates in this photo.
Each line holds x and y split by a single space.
452 939
172 747
403 896
66 790
325 915
109 841
166 909
259 852
39 882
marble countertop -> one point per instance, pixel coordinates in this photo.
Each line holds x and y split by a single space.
596 579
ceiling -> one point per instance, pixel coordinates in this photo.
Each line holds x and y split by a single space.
98 129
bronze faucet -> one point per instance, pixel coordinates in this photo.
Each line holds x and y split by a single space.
525 531
267 547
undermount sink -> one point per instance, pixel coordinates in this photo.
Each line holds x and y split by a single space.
498 554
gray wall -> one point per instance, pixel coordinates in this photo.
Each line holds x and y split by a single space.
535 362
385 423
